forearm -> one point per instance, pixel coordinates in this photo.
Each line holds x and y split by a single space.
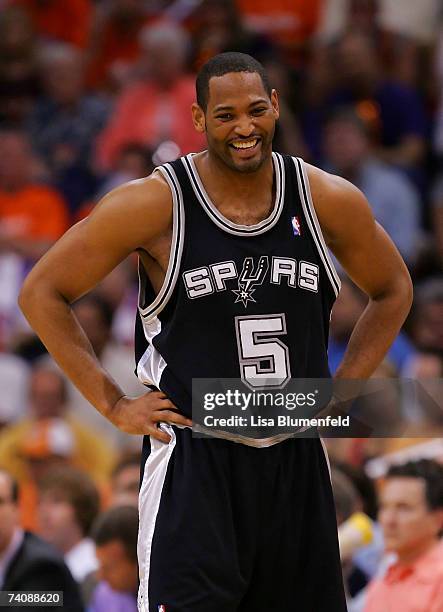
374 333
52 318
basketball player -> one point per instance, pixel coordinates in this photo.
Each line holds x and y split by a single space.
235 282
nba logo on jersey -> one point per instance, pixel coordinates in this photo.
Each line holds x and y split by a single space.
296 226
162 608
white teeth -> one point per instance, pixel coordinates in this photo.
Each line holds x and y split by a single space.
241 144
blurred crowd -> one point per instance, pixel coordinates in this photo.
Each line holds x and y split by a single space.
94 93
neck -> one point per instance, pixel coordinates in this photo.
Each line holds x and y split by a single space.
230 180
409 556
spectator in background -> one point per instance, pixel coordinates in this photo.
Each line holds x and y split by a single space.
157 108
95 315
114 45
437 215
426 325
393 112
216 27
18 70
394 201
68 505
48 435
28 563
14 380
115 534
288 23
347 310
125 480
411 515
65 121
347 504
32 216
133 162
68 21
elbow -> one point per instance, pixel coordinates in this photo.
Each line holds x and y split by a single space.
406 292
26 296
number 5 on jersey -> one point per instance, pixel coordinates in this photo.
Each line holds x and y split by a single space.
264 359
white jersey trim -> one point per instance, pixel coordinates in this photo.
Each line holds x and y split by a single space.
224 223
154 476
314 225
178 234
151 364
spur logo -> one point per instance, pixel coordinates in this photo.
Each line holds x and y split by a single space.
207 280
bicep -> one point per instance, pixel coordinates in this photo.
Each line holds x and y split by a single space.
360 244
93 247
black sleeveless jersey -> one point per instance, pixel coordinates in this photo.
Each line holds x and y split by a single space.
238 301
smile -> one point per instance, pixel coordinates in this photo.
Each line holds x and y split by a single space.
244 144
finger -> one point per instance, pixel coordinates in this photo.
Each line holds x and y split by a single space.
166 403
158 394
158 434
171 417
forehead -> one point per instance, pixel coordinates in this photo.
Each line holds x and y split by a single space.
404 489
235 89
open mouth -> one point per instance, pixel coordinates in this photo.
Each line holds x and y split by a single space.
245 147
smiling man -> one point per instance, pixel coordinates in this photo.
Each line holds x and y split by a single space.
235 282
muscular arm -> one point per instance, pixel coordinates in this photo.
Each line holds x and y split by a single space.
127 219
371 260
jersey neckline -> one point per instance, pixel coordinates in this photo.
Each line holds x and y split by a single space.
223 222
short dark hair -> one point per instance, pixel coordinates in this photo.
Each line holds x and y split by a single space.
121 524
78 489
127 459
427 470
222 64
349 115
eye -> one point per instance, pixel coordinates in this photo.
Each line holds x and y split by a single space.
224 117
259 111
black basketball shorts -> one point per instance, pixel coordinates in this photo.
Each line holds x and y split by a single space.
226 527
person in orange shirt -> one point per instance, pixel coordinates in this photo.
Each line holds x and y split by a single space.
288 23
69 20
32 216
156 109
411 516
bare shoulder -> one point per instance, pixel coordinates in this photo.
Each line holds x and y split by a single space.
147 200
130 217
340 205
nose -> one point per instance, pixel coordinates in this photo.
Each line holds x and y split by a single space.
244 127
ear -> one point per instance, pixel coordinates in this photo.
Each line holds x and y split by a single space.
198 118
275 105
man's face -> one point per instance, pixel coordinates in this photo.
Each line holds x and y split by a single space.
116 568
8 512
56 518
125 486
407 522
345 145
46 394
428 328
239 120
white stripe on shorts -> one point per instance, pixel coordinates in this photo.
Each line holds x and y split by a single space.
149 502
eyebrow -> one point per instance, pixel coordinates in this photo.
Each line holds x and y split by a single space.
222 107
